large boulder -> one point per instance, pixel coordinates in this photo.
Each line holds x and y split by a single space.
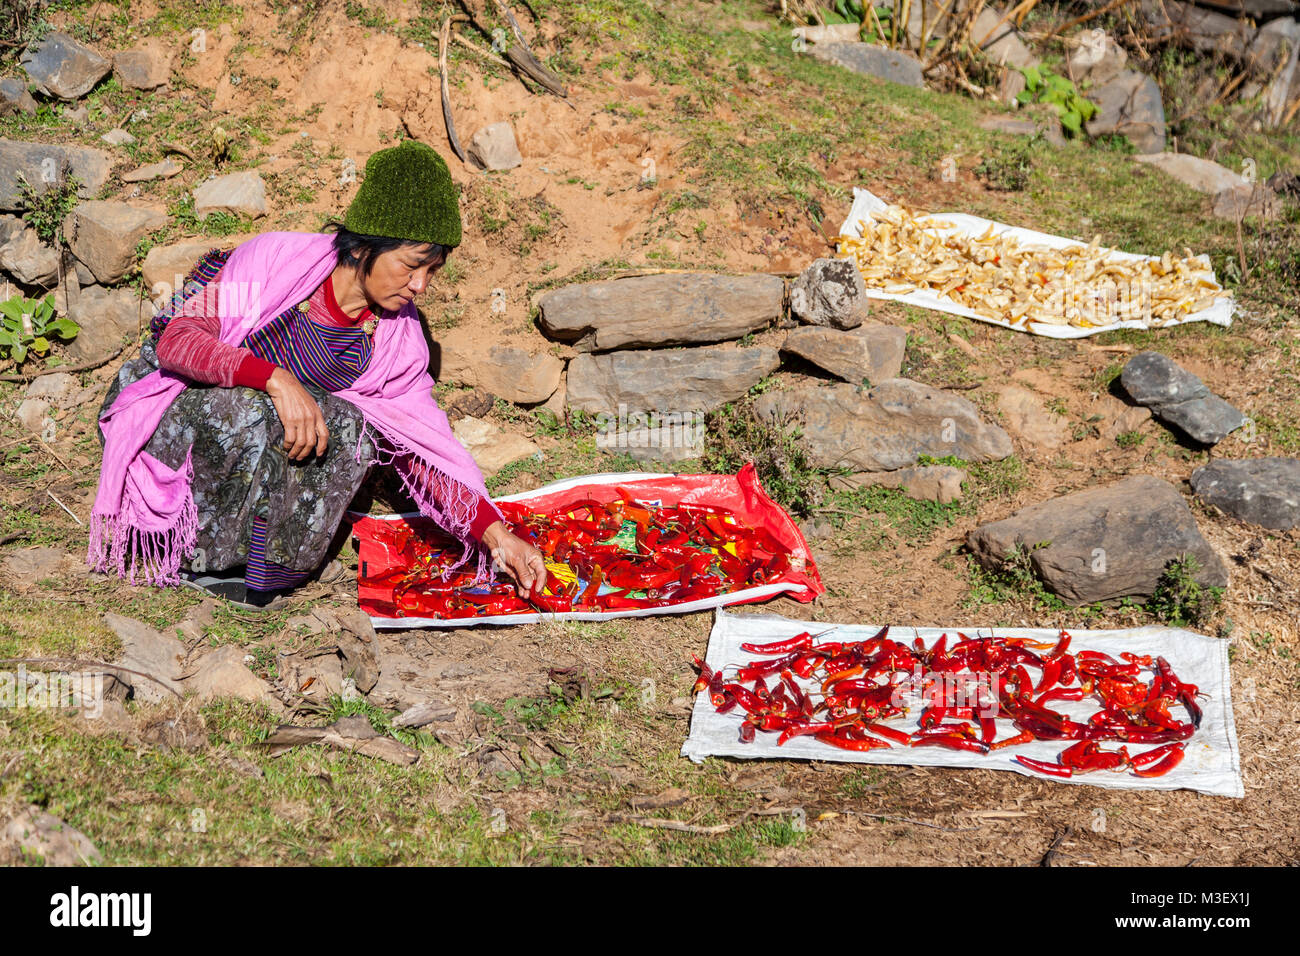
62 67
144 68
1104 543
42 165
893 66
870 353
679 380
1098 58
1131 106
830 292
165 267
507 371
106 317
886 428
672 309
1179 398
1263 491
104 236
29 260
237 193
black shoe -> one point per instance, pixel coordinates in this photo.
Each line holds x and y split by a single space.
232 590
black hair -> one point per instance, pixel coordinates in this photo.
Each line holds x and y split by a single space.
359 251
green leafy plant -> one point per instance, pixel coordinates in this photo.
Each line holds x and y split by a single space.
27 325
1179 599
1059 92
735 435
1006 170
46 210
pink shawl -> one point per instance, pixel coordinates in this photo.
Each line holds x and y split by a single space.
144 518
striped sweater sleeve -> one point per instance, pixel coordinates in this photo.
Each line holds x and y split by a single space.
189 346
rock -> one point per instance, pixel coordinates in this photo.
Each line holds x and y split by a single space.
146 68
57 388
1130 105
29 260
894 66
1195 28
238 193
1200 174
1274 41
10 227
830 292
29 565
515 374
1049 129
14 98
491 447
828 33
472 404
1248 199
1285 184
494 147
105 316
1263 491
999 40
1104 543
1179 398
681 380
673 309
870 353
150 652
104 235
169 265
62 68
1098 58
32 414
117 137
1130 419
652 436
1011 83
424 713
941 483
161 170
223 673
76 115
1028 420
886 428
42 165
35 833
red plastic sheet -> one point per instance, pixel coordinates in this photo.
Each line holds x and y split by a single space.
397 588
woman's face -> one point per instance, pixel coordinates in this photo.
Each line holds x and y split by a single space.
397 277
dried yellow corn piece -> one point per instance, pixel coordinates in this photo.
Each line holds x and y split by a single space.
998 278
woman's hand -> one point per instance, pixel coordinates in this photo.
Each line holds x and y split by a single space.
520 559
304 425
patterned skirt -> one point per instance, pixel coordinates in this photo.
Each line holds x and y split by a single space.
256 507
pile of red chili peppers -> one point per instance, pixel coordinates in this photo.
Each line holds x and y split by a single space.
600 557
839 691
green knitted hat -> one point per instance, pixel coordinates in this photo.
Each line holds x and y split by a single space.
407 194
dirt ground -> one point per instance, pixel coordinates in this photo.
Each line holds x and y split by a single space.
602 758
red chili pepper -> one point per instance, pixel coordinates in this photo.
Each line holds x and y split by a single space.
1171 760
1024 737
844 743
1052 769
780 647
